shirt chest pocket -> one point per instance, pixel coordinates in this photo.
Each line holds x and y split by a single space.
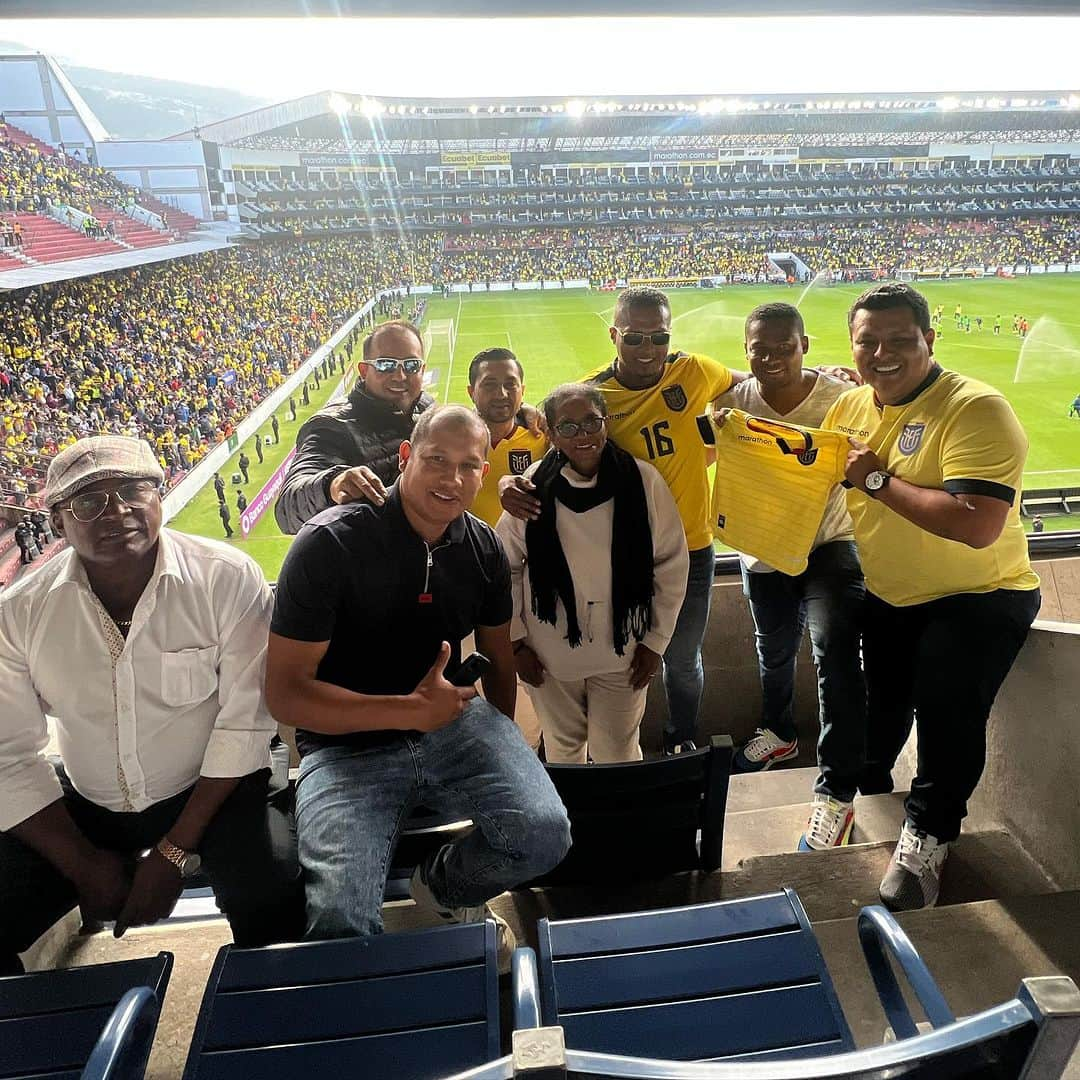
188 676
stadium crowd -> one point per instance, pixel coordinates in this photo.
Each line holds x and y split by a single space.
31 179
178 352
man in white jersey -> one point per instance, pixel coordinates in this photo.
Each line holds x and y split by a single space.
827 595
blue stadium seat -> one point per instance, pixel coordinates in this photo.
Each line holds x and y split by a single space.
50 1021
740 979
643 819
1031 1035
410 1006
122 1050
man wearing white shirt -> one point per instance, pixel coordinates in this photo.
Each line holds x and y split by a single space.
148 648
828 595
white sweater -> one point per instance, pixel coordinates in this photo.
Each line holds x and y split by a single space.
586 542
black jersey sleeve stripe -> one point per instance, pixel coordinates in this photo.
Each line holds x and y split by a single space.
981 487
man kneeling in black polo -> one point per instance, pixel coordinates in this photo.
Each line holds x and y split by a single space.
371 607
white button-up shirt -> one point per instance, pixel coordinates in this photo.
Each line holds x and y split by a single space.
184 700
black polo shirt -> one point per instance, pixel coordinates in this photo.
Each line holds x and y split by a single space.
359 577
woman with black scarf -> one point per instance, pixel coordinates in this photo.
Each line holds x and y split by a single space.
598 580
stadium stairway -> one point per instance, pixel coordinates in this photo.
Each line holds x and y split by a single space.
130 233
178 221
46 240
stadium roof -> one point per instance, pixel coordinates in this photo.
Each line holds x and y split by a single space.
380 111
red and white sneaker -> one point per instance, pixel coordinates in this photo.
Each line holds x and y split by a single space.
763 751
830 824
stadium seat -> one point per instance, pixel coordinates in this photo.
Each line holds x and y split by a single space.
739 979
643 819
1031 1035
50 1021
410 1006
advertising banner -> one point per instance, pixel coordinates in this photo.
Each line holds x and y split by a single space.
258 506
473 159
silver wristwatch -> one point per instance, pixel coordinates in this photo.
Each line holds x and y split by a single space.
875 481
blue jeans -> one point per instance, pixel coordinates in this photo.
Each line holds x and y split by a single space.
829 595
352 801
684 676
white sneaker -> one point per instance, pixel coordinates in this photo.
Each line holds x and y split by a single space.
913 878
425 899
830 824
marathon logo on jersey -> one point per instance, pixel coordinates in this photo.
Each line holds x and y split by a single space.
910 439
675 396
520 460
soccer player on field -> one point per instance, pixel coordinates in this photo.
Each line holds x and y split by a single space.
827 595
936 464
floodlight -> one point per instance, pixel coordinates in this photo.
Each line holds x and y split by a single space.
576 108
474 109
371 107
339 104
1073 101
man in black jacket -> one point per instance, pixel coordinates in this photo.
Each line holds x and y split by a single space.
349 450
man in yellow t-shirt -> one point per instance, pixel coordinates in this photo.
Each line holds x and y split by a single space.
653 395
936 465
497 388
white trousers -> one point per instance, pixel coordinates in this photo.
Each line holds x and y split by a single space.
598 717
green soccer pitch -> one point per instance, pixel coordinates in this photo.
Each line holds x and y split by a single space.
560 336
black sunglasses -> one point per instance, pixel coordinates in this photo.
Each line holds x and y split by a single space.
633 338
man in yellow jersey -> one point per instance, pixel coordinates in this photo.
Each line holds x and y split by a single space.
936 465
653 396
827 596
497 387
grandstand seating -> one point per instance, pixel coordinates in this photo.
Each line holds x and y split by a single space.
50 1021
1049 501
412 1005
643 819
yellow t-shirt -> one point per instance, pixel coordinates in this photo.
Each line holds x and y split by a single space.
772 486
957 435
511 457
658 425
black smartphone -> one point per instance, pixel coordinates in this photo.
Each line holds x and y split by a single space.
472 667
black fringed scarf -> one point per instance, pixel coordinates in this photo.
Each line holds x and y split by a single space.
631 545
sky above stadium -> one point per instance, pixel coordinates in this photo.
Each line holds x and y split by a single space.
279 59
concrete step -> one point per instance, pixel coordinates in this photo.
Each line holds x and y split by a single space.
780 786
835 884
775 830
978 953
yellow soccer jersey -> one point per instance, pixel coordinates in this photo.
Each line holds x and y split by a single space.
658 425
772 486
511 457
959 435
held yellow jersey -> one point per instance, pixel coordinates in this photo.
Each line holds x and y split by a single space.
511 457
657 424
772 486
957 435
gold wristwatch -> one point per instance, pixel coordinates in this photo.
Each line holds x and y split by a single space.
187 862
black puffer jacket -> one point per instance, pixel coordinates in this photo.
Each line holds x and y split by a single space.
362 430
